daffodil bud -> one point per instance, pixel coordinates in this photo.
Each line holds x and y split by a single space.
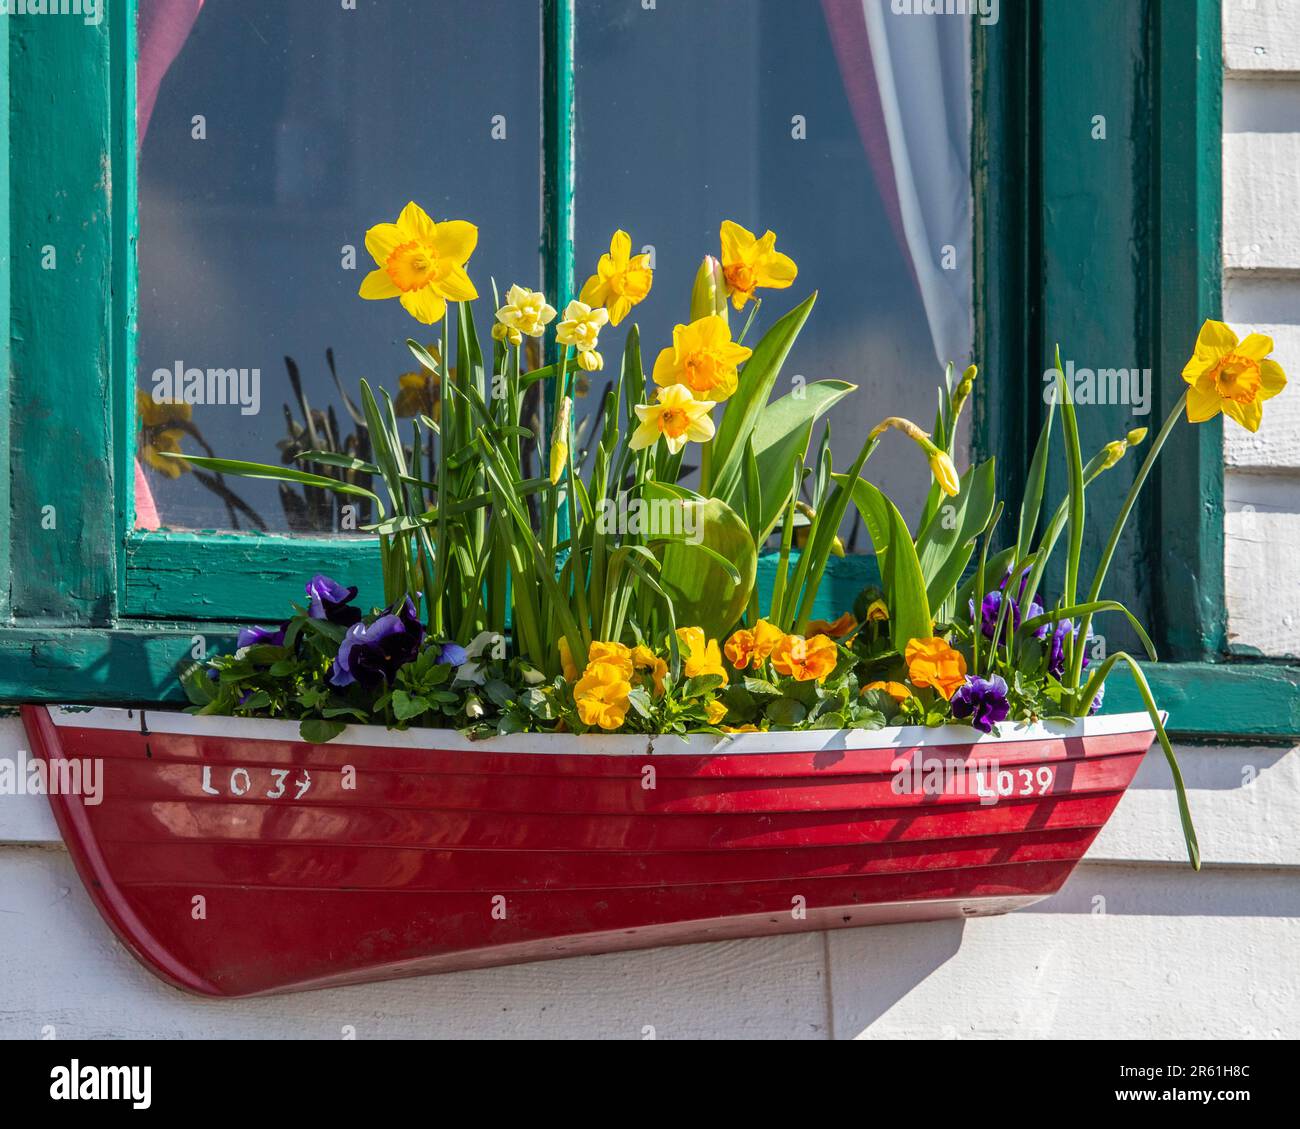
1136 436
709 292
945 473
963 391
1112 453
560 441
590 361
474 708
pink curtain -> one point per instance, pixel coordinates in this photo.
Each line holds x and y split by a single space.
162 27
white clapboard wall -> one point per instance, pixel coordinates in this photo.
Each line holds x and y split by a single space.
1261 291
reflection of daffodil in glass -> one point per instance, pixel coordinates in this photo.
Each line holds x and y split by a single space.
161 428
421 262
749 262
678 417
703 357
1231 376
621 279
417 392
525 314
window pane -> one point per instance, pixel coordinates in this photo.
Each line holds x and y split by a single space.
271 137
838 125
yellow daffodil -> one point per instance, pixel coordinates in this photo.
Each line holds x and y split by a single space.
836 630
749 262
931 662
806 659
161 430
678 417
703 357
601 696
581 326
621 279
526 313
740 729
1231 376
717 711
645 661
941 465
421 262
700 655
945 473
590 360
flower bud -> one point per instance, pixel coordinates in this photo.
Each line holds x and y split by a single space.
1112 453
709 292
560 441
1136 436
945 473
963 390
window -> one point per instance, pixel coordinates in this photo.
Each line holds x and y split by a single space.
1114 244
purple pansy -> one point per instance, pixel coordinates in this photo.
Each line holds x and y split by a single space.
1056 654
452 654
261 636
371 655
983 701
330 601
992 605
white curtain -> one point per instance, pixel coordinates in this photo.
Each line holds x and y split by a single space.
922 69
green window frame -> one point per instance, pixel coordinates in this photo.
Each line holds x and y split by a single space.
1126 230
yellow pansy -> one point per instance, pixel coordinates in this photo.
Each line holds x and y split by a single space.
806 659
621 279
161 429
749 262
751 648
700 655
740 729
526 313
931 662
645 661
703 357
421 262
612 654
678 417
601 695
717 711
836 630
896 690
1231 376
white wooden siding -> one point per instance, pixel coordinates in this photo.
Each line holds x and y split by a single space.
1261 257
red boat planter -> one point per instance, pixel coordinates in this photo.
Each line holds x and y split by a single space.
234 859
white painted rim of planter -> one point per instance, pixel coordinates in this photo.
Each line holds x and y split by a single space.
594 744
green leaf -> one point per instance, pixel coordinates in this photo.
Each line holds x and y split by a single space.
407 706
702 591
900 570
318 731
946 544
275 473
743 410
785 712
781 437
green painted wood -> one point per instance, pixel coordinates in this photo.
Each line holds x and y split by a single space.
126 226
1008 279
1241 702
1187 558
64 563
222 576
5 564
1097 241
558 150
